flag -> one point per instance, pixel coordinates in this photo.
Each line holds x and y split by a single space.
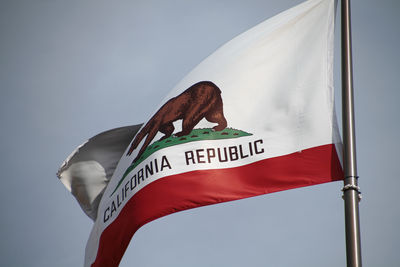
255 117
89 168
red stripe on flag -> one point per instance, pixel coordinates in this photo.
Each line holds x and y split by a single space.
199 188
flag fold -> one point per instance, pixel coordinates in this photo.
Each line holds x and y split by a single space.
89 168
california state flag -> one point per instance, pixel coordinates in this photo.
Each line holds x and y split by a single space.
255 117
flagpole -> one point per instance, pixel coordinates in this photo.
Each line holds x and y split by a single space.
351 193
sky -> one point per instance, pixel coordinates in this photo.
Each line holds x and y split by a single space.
72 69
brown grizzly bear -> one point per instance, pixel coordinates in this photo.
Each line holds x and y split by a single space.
201 100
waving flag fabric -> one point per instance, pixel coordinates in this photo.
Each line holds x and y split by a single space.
89 168
255 117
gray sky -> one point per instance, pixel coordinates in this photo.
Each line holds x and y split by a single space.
71 69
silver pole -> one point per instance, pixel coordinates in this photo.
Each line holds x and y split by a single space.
351 192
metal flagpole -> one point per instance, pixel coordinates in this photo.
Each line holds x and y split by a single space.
351 192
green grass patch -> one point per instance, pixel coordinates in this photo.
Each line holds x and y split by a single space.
195 135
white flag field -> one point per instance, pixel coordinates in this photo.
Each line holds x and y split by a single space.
255 117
